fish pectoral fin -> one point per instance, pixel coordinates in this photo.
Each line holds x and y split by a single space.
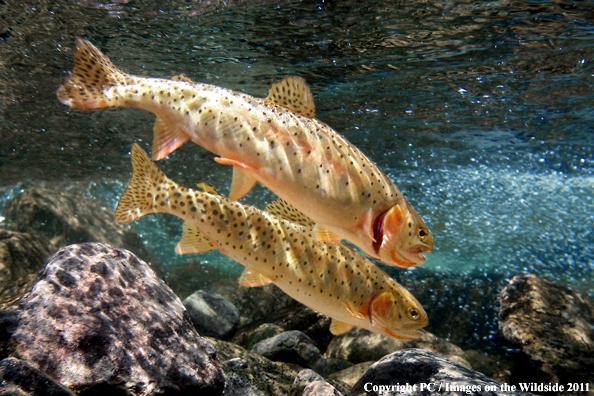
207 188
253 278
396 335
167 138
242 181
183 77
281 208
337 327
193 241
293 93
351 309
325 235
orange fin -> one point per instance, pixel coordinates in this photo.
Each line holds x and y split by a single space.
350 308
89 85
183 77
167 138
395 335
253 278
193 241
293 93
322 234
281 208
242 181
337 327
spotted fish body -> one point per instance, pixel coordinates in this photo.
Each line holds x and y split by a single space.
326 276
276 141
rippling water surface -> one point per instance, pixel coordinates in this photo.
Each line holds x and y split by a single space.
481 112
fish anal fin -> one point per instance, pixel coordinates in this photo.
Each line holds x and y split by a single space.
242 181
167 138
293 93
281 208
193 241
253 278
337 327
323 234
351 309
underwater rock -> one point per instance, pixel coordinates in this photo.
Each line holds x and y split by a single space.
212 314
264 331
20 378
64 219
99 320
310 383
351 374
184 279
272 378
22 255
269 304
237 386
417 367
293 347
360 345
320 388
554 328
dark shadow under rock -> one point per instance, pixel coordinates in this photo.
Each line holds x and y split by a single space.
554 328
212 314
64 219
418 372
19 378
22 255
100 321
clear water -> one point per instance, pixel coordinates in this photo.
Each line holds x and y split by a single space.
481 112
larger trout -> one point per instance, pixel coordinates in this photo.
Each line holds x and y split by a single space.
276 141
326 276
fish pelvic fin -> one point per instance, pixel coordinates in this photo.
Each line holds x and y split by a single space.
167 138
293 93
281 208
193 241
91 83
139 199
337 327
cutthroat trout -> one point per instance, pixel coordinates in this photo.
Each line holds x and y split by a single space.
326 276
276 141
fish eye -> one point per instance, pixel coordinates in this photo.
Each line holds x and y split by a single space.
422 233
413 313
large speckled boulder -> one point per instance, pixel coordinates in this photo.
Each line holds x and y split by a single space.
63 218
553 326
22 255
360 345
426 374
99 319
19 378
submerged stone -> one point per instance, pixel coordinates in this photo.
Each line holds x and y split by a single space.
554 328
212 314
19 378
99 320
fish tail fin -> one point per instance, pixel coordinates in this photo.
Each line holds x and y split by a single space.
91 82
140 197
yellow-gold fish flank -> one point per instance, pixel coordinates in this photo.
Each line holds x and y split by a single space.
276 141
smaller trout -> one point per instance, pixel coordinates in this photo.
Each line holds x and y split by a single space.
326 276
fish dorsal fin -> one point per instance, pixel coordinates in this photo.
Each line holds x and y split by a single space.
337 327
167 138
323 234
183 77
253 278
207 188
293 93
281 208
193 241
